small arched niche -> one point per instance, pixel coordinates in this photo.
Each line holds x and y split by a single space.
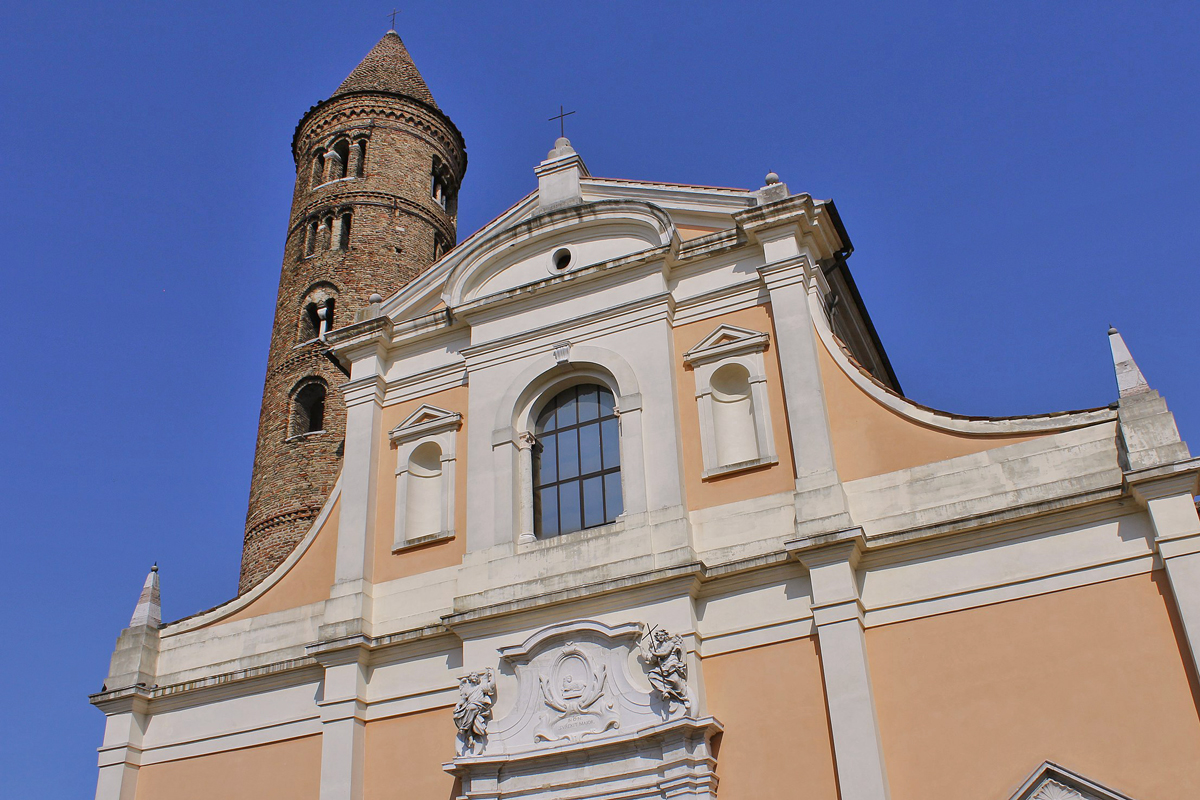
733 415
423 505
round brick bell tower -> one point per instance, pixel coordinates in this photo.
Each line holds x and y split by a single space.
378 166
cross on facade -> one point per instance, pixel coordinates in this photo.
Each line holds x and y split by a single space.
393 16
561 116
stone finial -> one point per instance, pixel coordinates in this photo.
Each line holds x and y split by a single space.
375 297
559 176
1130 380
562 147
148 612
773 191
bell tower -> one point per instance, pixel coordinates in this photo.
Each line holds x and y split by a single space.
378 167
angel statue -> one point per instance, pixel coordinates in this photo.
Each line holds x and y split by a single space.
668 666
476 694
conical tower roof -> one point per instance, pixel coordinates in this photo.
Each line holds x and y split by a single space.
388 68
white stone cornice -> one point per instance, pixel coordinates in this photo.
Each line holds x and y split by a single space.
1167 480
371 388
583 328
786 272
799 216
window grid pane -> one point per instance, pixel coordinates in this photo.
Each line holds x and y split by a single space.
577 480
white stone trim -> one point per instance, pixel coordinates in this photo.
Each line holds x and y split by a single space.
427 424
512 461
729 344
849 698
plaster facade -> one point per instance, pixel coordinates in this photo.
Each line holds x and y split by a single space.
884 601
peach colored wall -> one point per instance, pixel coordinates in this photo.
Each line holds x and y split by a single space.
743 485
389 566
404 756
308 580
694 231
871 439
776 743
1091 678
288 770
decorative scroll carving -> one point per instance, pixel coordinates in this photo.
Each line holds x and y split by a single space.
585 722
667 662
574 694
477 694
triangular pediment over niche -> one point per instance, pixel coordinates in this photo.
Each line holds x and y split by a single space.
726 340
426 420
1052 782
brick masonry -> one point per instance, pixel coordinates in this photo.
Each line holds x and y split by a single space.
397 231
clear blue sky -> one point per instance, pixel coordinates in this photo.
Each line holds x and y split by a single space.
1015 176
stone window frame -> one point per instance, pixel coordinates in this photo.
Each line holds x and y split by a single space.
513 437
730 344
427 424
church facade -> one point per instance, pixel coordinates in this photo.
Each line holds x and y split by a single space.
620 497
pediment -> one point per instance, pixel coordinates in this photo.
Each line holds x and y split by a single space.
532 250
426 420
1052 782
726 340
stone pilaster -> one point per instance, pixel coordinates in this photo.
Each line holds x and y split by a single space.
838 615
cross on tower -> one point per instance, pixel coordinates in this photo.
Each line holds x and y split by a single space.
561 116
393 16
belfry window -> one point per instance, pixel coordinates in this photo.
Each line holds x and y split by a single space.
310 238
308 409
341 159
439 185
318 168
359 159
317 311
341 232
576 462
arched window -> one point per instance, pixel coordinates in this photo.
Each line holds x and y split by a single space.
341 156
318 168
308 409
360 163
341 239
577 462
317 311
439 185
310 238
423 504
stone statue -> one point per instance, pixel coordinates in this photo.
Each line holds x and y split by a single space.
476 695
668 666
